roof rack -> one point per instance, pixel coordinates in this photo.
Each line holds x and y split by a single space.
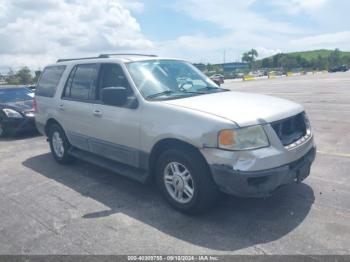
101 56
109 55
73 59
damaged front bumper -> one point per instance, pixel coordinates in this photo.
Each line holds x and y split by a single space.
263 182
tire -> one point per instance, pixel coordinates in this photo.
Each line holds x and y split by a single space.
59 144
176 191
2 131
6 133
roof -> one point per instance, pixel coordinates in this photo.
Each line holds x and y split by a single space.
123 58
104 56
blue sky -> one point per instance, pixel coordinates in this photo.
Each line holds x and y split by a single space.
37 32
160 21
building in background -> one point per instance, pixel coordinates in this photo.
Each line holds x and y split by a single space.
230 68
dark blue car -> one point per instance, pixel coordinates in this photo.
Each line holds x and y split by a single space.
16 110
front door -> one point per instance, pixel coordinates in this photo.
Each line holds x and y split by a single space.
117 133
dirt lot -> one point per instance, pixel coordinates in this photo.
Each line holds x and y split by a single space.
46 208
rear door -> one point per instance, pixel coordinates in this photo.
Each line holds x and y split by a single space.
76 106
45 91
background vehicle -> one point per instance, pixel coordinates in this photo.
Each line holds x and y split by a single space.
16 110
31 87
342 68
218 79
155 118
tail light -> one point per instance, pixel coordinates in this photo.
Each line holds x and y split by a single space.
35 106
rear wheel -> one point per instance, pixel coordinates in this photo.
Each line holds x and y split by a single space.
185 181
59 144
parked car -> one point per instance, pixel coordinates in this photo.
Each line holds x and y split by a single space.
16 110
135 115
218 79
31 87
342 68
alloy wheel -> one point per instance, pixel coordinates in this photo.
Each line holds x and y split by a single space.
57 144
179 182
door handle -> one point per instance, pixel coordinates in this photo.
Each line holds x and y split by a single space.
61 107
97 112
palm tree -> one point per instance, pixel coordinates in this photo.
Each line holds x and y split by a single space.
253 54
249 57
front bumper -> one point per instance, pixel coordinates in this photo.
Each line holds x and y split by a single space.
16 125
263 182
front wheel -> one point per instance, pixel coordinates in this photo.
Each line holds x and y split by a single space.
59 144
185 181
2 131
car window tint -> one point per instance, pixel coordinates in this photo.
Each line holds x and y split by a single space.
66 91
112 75
84 80
49 80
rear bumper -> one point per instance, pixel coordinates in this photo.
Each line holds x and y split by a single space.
263 182
17 125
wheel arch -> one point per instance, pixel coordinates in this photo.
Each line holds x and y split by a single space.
170 143
50 122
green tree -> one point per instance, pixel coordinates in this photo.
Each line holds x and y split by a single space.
37 75
266 63
246 58
24 76
249 57
335 58
12 78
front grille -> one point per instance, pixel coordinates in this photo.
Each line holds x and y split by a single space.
291 129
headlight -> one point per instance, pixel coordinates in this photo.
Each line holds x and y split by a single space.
307 124
12 113
29 113
246 138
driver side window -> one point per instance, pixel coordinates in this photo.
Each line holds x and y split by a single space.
112 75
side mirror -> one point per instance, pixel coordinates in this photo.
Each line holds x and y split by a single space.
114 96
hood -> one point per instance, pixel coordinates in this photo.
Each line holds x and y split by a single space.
242 108
20 106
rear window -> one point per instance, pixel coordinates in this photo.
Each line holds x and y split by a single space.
49 80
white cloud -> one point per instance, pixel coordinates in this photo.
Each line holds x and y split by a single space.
265 52
33 32
245 29
297 6
334 40
233 15
283 26
133 5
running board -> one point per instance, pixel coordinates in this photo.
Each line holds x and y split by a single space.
122 169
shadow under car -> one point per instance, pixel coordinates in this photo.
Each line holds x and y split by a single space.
234 223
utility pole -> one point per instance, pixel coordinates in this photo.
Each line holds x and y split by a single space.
224 56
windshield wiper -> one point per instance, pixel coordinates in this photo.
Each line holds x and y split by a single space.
209 88
166 92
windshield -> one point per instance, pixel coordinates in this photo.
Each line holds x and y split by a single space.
9 95
168 79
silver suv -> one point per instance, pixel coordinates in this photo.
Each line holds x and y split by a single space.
147 117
